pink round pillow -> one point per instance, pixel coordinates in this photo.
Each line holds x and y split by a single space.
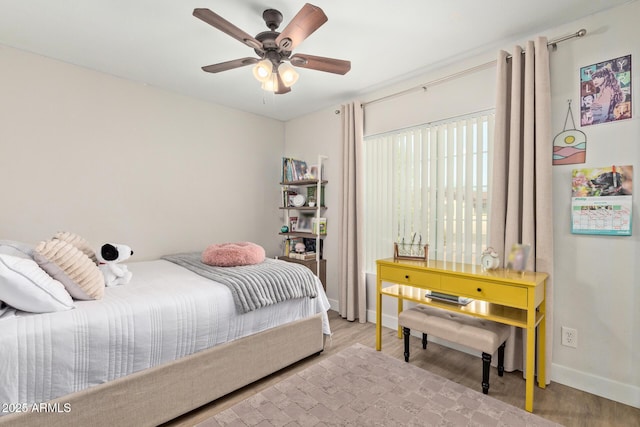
233 254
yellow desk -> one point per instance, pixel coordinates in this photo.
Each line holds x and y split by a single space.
514 298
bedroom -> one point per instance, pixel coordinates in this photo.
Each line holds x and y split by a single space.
113 159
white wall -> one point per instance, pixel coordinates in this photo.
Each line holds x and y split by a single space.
118 161
597 279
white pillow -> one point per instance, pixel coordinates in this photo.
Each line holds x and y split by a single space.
19 249
27 287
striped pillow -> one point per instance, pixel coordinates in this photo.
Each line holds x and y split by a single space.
78 242
73 268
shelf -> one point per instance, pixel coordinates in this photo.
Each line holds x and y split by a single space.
304 182
302 234
303 208
479 308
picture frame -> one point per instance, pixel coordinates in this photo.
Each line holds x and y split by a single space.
517 260
293 223
304 223
315 172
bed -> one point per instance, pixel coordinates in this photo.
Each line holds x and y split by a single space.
162 345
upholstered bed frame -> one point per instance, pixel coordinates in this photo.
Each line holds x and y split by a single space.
157 395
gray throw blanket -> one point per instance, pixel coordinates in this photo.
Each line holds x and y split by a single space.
258 285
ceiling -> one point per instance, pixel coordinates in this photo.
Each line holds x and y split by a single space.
160 43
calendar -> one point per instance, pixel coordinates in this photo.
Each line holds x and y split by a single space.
601 200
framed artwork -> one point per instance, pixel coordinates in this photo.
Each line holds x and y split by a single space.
605 91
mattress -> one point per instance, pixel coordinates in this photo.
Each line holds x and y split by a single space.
165 312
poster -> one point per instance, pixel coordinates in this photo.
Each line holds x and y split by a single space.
601 200
605 91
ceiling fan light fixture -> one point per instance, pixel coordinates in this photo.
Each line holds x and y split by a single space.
271 84
288 74
263 70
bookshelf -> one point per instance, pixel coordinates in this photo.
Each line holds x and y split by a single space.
303 206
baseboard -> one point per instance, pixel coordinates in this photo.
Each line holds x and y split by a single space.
603 387
599 386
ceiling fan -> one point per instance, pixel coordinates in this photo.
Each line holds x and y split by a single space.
273 67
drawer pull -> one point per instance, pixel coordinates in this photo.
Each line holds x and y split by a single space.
406 277
479 289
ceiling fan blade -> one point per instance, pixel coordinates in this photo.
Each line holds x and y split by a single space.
227 27
229 65
282 89
320 63
308 19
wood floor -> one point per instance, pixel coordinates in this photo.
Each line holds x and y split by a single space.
559 403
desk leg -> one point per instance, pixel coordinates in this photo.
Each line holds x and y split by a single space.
400 308
530 360
378 313
542 347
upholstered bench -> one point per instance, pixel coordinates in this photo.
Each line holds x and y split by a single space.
478 334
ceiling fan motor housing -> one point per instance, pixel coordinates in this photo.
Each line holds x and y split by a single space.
272 18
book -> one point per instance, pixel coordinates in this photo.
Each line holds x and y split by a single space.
294 170
319 225
305 256
448 298
299 169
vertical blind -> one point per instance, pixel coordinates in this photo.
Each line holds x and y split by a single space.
429 185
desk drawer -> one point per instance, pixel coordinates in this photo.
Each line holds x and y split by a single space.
406 276
504 294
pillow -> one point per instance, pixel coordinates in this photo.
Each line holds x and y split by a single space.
19 249
78 242
27 287
233 254
64 262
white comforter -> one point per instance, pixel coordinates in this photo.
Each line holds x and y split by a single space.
165 313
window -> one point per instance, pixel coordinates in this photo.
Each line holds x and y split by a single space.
429 184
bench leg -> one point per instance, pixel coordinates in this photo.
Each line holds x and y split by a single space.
407 333
501 359
424 341
486 364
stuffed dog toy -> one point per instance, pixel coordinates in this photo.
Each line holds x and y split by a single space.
108 257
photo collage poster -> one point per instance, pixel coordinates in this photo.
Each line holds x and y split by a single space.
605 91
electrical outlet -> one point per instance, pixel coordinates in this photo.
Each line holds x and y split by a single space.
569 337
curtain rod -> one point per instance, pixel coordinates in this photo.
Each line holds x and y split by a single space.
553 43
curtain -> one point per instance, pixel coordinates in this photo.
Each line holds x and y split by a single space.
353 298
521 199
